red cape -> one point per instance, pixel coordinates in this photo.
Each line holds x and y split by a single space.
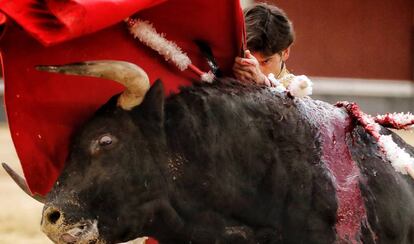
44 109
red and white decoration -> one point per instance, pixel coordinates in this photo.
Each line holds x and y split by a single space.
399 158
148 35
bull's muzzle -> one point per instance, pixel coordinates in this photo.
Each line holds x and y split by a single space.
57 228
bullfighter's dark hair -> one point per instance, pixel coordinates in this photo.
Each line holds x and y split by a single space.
268 28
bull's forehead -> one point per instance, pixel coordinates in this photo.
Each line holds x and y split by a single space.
117 122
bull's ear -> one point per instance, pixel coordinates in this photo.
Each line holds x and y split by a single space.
152 108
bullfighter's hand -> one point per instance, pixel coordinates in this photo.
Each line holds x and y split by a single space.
248 70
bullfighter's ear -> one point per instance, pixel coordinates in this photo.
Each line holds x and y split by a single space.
152 108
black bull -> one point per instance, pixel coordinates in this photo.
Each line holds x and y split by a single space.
228 163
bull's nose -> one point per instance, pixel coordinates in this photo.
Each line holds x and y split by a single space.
53 223
51 215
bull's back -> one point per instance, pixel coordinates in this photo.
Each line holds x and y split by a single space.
297 166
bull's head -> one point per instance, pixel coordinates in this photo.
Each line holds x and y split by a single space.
111 159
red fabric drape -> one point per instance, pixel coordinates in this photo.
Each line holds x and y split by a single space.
52 21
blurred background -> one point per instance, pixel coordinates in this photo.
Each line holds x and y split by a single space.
353 50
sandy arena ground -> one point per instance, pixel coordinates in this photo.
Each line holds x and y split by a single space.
19 214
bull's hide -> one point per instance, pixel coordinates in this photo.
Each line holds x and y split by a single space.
228 163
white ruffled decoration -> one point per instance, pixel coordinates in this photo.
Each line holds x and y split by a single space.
208 77
299 86
399 158
275 84
146 33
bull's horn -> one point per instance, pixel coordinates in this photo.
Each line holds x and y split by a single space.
21 182
128 74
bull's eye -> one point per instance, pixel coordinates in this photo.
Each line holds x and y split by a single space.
105 141
102 143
